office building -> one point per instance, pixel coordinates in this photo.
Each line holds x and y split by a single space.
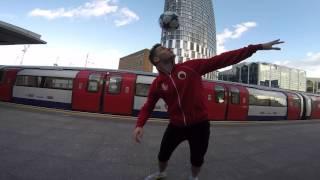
266 74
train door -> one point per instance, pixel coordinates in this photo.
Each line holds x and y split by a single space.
315 107
7 80
216 94
87 91
294 106
119 93
238 104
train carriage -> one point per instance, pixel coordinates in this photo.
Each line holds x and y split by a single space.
48 88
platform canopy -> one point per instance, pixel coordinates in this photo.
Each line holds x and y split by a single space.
11 34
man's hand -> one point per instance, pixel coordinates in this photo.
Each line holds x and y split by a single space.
268 45
137 134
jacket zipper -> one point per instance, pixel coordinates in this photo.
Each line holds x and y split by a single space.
179 101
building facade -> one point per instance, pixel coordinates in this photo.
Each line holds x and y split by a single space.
266 74
138 61
313 85
196 35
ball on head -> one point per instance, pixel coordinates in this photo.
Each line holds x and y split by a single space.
169 21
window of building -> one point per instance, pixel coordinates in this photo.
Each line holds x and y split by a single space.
30 81
58 83
193 54
235 95
185 45
170 44
191 46
179 52
178 44
114 85
219 93
142 89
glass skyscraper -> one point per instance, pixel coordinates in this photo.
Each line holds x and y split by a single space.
196 35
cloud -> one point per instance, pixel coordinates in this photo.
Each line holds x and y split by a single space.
310 63
227 34
45 55
95 8
126 16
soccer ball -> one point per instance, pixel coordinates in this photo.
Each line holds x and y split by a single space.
169 21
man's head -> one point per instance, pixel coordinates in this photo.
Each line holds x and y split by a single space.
158 54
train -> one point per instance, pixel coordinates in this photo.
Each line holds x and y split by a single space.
124 92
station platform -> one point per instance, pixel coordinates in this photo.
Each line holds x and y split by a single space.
40 143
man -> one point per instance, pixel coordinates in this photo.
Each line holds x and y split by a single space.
180 86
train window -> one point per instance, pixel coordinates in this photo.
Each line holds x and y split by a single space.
235 95
30 81
278 102
219 92
58 83
93 85
1 76
115 84
259 100
142 89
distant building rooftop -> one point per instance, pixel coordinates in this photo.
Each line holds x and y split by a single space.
11 34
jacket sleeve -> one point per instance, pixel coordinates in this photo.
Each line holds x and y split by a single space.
204 66
148 106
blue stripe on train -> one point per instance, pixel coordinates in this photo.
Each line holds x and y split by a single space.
155 114
266 118
41 103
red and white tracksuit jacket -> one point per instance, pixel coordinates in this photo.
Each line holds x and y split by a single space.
182 89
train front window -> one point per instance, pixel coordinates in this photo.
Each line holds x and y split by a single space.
142 89
235 95
114 85
219 92
30 81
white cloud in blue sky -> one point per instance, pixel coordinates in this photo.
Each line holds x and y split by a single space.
96 8
310 63
126 16
235 33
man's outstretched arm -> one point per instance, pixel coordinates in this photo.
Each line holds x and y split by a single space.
204 66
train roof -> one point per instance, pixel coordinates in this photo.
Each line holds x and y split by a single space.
49 73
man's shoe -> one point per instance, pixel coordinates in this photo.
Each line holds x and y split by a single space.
156 176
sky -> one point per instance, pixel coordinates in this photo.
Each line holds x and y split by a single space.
96 33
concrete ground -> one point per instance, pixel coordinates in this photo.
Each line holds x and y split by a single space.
56 145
